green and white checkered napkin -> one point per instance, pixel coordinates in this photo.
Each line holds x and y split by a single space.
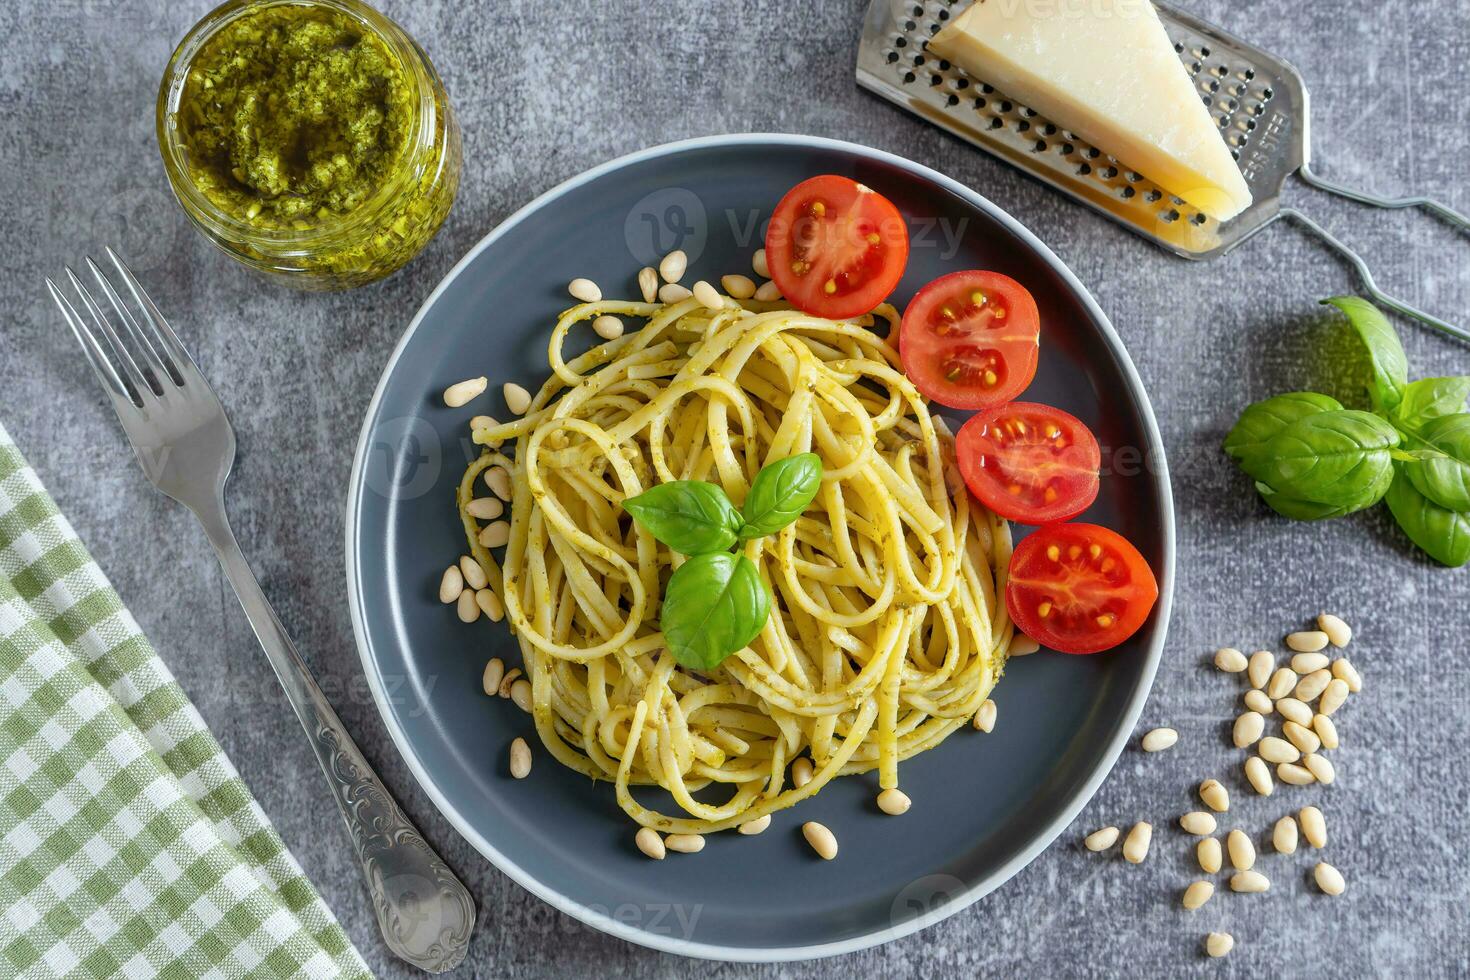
128 844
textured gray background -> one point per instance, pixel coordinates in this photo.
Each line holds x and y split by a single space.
545 90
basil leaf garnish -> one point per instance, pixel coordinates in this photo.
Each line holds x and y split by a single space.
1432 398
713 605
1298 509
1442 470
1335 458
780 492
1262 421
690 516
1442 533
1385 352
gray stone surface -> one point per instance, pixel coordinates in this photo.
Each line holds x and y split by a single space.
545 90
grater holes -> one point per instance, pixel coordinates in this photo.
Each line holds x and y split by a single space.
1108 173
1068 149
936 80
900 42
918 60
1197 219
1022 125
995 122
1049 129
979 102
1092 153
987 88
952 100
1006 106
961 84
1151 195
1083 169
908 77
1133 176
1039 146
1170 215
909 25
892 57
1127 192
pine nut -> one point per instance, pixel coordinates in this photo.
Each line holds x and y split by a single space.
672 292
497 478
461 392
801 772
1216 797
485 508
1320 767
1346 672
1293 710
1334 696
451 584
1275 749
495 535
1219 944
1305 663
1281 683
490 605
648 283
1258 669
1135 845
1022 645
1314 826
1198 894
1307 641
1302 737
1250 882
685 843
1259 776
1312 685
483 422
1339 634
490 680
894 802
1230 660
708 295
1198 822
508 681
673 265
520 693
1329 879
520 759
1283 835
752 827
465 605
758 263
1258 702
608 327
650 843
585 290
985 717
821 839
768 292
1160 739
1295 775
1101 840
1326 731
1208 853
474 575
738 286
1242 851
517 399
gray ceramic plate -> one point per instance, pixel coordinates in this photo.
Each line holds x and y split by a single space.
984 805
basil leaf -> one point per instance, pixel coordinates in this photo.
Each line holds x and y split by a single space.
690 516
1263 420
1441 469
1385 353
713 605
1432 398
1298 509
1335 458
781 491
1442 533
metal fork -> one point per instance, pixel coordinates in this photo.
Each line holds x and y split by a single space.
184 442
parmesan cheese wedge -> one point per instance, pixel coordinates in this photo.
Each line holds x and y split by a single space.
1107 71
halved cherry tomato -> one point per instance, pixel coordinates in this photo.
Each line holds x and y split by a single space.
971 339
1030 463
835 247
1079 588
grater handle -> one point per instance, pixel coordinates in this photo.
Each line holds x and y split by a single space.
1443 211
1338 246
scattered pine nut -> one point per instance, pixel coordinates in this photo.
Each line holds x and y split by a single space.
585 290
768 292
1339 634
685 843
1198 894
1293 710
497 478
517 399
1302 737
451 584
801 772
1215 796
1274 749
752 827
1258 669
708 295
738 286
1329 879
495 535
608 327
490 680
1334 696
648 283
1314 826
483 422
474 574
1281 683
1207 852
894 802
1258 701
1242 851
485 508
985 717
821 839
1101 840
1320 767
1219 944
462 392
1160 739
520 759
1022 645
1346 672
1283 835
1312 685
520 693
1307 641
490 605
1198 822
1250 882
673 265
1230 660
758 263
1305 663
465 605
508 681
1293 774
672 292
1326 731
650 843
1135 846
1259 776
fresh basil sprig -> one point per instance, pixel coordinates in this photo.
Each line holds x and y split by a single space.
716 602
1313 459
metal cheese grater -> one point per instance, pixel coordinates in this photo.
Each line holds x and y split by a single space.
1259 100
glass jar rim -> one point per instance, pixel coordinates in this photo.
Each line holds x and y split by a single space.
419 142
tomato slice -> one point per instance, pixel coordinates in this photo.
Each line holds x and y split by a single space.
1030 463
1079 588
836 248
971 339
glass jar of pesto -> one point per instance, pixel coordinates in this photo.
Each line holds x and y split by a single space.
309 139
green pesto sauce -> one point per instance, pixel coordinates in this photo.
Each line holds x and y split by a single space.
292 115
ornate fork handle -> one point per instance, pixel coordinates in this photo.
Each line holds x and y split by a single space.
425 913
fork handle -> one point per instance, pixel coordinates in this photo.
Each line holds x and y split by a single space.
424 911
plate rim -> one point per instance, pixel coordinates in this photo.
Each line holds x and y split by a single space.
981 887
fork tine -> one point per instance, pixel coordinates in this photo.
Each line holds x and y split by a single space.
176 354
156 373
93 351
122 361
